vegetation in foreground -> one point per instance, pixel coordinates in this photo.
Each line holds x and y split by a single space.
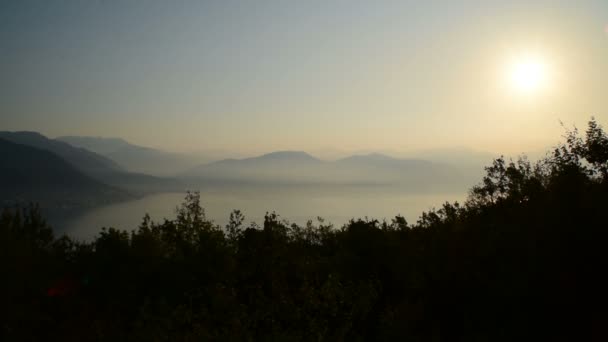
523 258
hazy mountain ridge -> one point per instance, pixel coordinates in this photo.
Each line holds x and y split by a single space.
133 157
84 160
290 166
277 168
297 167
29 174
95 165
95 144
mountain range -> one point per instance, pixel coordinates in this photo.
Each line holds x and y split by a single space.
86 161
132 157
94 165
297 167
30 174
69 170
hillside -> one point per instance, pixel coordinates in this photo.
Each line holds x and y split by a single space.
272 168
86 161
94 165
29 174
295 167
133 157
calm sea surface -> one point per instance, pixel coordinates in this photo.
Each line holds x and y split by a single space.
293 204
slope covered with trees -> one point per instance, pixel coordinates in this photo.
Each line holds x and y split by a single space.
522 259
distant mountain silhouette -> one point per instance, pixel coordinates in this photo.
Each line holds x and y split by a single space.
273 168
289 156
86 161
29 174
279 157
133 157
461 156
378 159
94 165
412 174
99 145
295 167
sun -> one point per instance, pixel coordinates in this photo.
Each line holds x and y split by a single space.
528 74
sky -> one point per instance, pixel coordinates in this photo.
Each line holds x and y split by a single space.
320 76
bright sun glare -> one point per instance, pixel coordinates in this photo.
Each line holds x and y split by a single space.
528 74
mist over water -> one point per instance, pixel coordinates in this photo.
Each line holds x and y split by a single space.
295 204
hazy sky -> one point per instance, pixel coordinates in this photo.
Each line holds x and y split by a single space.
321 76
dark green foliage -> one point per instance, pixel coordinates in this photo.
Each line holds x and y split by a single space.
522 259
